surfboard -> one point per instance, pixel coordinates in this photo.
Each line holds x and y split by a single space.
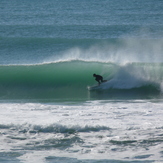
96 87
93 87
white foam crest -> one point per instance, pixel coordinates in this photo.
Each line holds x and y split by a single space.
134 76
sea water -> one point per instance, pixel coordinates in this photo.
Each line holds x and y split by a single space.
49 51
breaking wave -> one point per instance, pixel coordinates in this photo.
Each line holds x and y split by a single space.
71 78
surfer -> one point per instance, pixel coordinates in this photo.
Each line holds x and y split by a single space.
98 78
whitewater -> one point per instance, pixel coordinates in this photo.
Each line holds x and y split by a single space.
94 131
49 51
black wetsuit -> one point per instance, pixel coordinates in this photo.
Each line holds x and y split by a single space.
98 78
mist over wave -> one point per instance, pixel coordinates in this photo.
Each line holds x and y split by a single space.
52 50
119 51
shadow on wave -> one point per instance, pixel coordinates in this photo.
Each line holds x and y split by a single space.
143 92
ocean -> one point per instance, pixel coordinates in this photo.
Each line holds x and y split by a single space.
49 51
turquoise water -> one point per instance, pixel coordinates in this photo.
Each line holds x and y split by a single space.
70 80
49 51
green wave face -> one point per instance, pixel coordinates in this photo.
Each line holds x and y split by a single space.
69 80
59 74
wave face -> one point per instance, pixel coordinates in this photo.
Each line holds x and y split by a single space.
70 79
